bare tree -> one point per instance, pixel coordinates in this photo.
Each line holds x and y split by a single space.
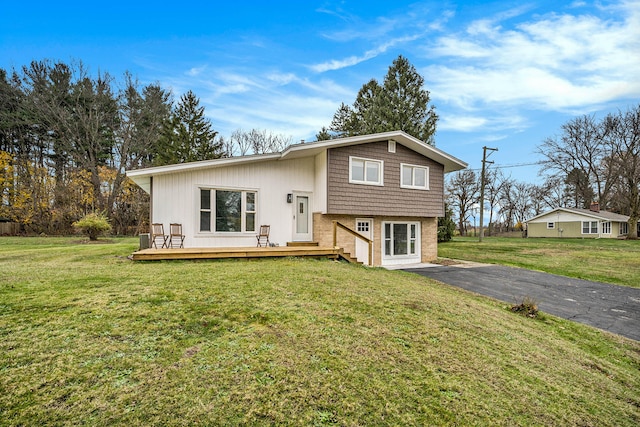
581 146
257 141
462 194
624 140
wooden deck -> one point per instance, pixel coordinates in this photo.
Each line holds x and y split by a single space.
245 252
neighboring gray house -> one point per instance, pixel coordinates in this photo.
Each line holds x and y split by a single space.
584 223
388 187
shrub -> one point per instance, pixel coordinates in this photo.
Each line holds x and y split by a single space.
93 224
528 307
446 226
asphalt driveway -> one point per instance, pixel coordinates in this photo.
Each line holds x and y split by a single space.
609 307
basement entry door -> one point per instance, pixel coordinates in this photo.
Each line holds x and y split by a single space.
364 226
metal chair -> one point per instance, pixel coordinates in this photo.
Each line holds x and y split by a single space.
263 236
175 234
157 234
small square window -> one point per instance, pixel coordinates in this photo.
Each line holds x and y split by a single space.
551 225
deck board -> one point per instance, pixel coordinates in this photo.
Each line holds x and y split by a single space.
237 252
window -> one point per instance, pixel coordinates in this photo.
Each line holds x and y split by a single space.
235 211
412 176
624 228
589 227
606 227
400 239
365 171
551 225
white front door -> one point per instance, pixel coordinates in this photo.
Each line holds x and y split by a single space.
302 219
364 226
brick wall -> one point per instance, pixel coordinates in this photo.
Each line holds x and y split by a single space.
323 234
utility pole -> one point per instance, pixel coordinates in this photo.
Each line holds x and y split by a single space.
482 179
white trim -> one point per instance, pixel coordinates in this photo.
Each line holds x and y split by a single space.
391 146
590 226
414 168
142 176
402 259
380 163
212 209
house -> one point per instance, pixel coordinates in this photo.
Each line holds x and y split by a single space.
388 187
584 223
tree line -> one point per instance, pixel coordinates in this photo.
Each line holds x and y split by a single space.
590 160
67 138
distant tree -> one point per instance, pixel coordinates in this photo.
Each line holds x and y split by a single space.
400 103
578 189
623 136
581 146
257 141
188 135
462 194
324 134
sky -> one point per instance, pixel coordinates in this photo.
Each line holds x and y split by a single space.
501 74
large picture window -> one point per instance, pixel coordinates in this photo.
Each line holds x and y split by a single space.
366 171
413 176
227 211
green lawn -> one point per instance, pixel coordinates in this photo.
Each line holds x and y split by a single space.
603 260
88 337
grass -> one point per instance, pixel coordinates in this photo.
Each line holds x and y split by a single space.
604 260
88 337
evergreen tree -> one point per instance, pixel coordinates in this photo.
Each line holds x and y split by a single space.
188 135
400 103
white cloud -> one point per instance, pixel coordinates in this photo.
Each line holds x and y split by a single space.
336 64
553 62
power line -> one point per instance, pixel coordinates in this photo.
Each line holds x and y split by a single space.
517 165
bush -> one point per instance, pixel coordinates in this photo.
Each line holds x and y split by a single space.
93 224
528 307
446 226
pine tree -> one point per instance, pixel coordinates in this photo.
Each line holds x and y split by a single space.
187 136
400 103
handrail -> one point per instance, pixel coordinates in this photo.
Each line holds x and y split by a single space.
357 235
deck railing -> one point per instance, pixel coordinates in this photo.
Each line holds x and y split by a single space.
357 235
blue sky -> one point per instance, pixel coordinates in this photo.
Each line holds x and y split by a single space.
505 74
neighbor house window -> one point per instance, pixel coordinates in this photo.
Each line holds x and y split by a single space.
227 211
551 225
400 239
606 227
365 171
589 227
624 228
412 176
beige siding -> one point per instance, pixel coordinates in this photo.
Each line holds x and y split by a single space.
388 200
571 229
323 234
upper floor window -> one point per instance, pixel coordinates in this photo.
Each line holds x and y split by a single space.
413 176
366 171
